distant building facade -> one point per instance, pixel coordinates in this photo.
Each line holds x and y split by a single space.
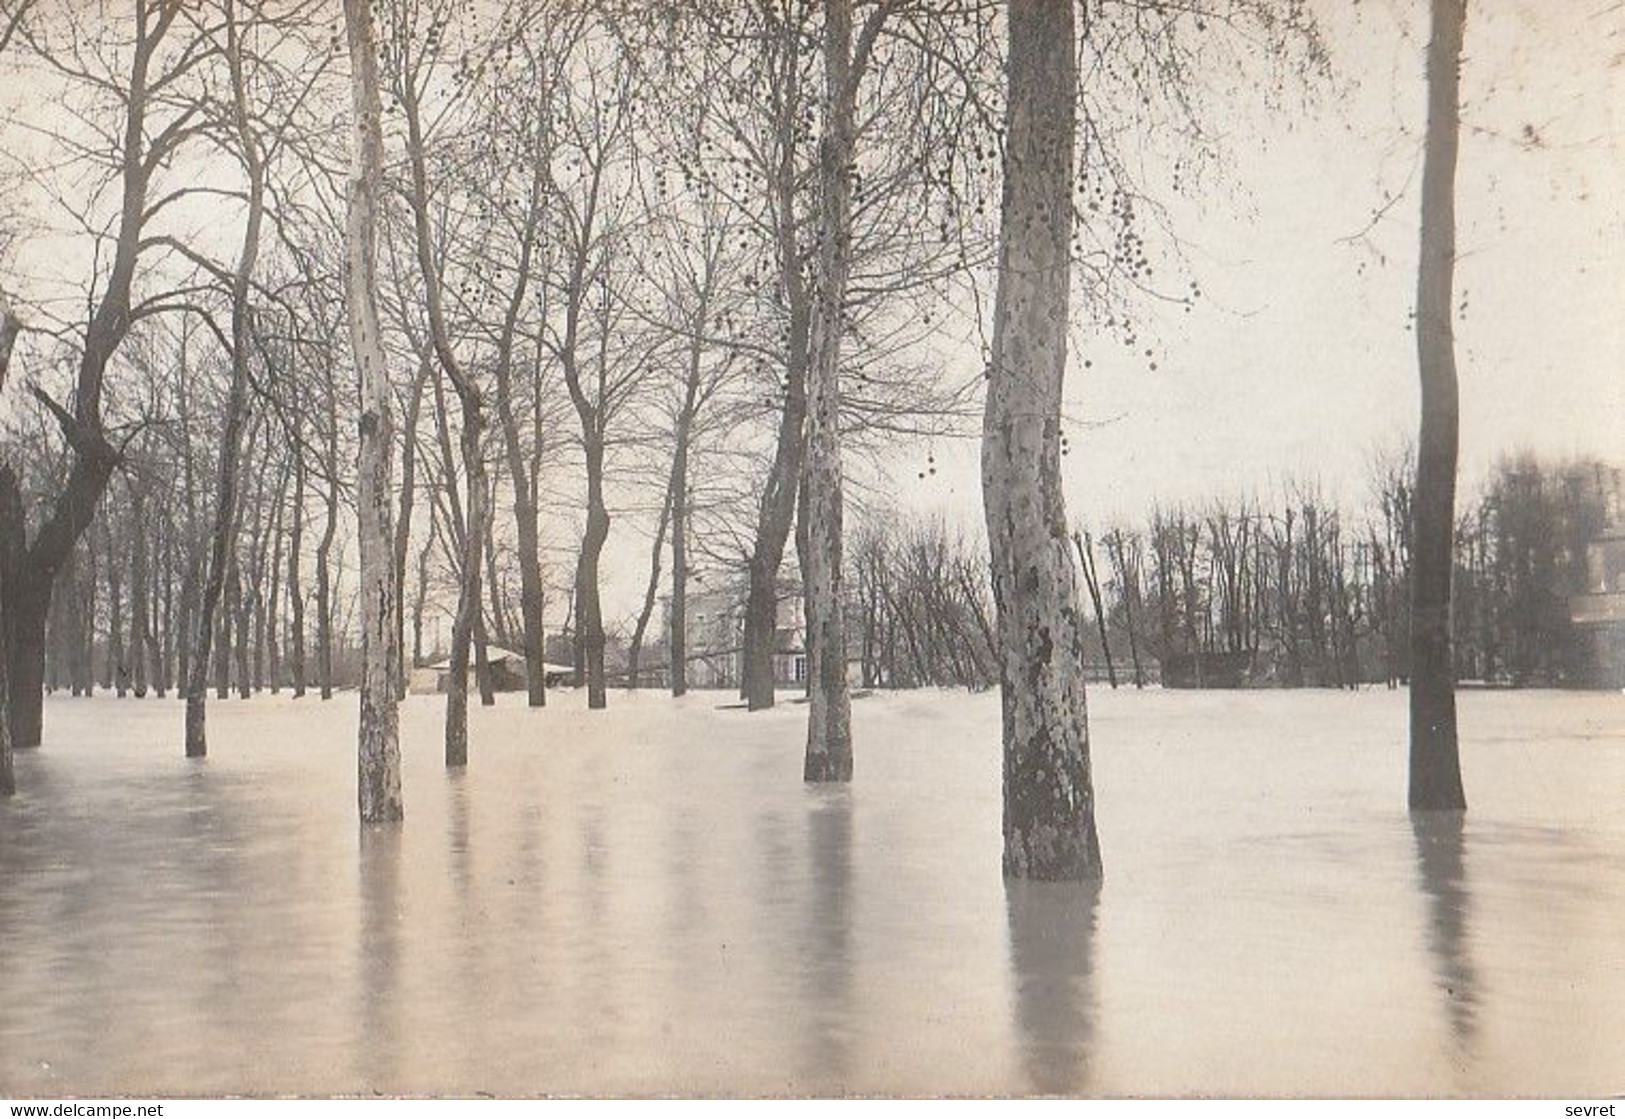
716 636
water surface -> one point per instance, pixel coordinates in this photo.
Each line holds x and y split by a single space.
648 900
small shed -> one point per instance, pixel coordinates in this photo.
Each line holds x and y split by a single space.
507 668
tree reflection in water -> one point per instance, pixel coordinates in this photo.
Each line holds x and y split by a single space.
1442 875
1052 931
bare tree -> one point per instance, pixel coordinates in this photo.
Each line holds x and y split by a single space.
250 150
1084 544
1049 820
1435 766
417 43
378 740
144 85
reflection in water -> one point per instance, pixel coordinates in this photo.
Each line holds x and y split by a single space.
1052 930
688 917
826 959
1443 878
379 1003
457 796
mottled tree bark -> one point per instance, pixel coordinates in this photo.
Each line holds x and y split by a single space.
1435 766
829 712
1049 819
378 759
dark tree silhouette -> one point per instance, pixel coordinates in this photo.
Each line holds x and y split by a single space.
1435 765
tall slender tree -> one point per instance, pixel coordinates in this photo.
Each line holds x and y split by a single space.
378 743
251 152
1435 764
1049 805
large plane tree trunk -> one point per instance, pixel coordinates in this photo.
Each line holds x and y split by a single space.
829 712
378 756
1049 818
1435 765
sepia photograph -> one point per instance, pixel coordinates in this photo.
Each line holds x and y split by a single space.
829 549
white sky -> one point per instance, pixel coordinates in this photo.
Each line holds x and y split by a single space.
1298 360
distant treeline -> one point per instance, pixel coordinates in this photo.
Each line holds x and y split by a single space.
1290 592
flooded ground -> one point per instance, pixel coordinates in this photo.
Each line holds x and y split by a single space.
648 900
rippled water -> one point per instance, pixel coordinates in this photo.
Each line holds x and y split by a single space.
650 901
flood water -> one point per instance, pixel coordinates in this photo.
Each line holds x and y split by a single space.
649 900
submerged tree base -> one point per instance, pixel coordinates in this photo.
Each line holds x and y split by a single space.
826 767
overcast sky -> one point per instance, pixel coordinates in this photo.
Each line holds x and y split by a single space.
1299 358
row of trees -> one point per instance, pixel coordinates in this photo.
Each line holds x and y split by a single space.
1297 592
602 237
1293 592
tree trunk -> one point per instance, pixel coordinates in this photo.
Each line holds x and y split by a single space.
296 593
1435 766
482 662
223 534
378 757
472 403
165 650
677 653
829 713
634 648
524 493
242 612
33 566
24 607
324 593
8 777
117 674
140 606
1086 561
782 489
589 609
222 655
1049 821
403 522
273 604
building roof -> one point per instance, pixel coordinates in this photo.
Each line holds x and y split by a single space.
496 654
